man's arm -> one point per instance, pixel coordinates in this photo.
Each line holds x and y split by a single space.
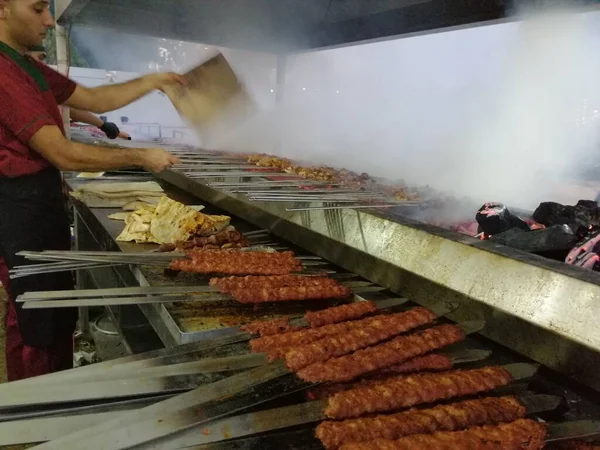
85 117
110 129
114 96
68 155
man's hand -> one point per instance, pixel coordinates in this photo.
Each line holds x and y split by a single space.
124 135
156 160
110 129
160 81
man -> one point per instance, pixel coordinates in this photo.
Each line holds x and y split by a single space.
111 130
33 150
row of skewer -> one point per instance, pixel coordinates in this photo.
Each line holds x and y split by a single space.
351 361
270 184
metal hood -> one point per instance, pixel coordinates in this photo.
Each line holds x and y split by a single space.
278 25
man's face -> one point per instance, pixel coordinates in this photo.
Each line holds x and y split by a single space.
38 56
26 22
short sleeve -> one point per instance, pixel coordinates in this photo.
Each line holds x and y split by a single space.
24 111
62 87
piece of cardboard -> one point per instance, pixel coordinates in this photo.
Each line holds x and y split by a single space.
214 100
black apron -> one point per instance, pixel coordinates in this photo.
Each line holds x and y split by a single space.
33 217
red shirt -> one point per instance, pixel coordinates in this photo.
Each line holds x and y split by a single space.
28 103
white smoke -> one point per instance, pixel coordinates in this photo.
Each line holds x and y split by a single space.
499 113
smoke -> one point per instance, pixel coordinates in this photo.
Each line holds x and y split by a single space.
507 112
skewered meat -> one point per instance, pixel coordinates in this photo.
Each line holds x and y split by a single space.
256 289
230 284
237 262
396 351
456 416
278 345
220 239
268 327
341 313
406 391
384 327
290 293
434 362
571 445
316 319
522 434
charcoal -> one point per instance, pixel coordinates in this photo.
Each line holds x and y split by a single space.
554 238
584 214
495 218
589 204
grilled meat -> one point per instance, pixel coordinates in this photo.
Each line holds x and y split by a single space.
315 319
405 391
378 330
456 416
230 284
339 314
434 363
237 262
522 434
290 293
278 345
396 351
227 239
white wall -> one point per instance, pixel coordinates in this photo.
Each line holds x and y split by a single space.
498 112
145 115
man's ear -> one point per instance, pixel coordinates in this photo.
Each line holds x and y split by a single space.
3 9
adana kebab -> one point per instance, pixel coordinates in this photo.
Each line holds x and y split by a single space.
378 329
235 262
434 362
452 417
396 351
255 289
336 314
522 434
277 345
406 391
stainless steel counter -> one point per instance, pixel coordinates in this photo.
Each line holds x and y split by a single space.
544 309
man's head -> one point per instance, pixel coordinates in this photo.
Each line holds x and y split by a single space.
24 23
38 52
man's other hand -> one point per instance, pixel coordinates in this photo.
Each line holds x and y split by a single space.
111 130
157 160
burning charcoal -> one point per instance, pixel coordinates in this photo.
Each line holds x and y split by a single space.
580 215
556 238
586 253
495 218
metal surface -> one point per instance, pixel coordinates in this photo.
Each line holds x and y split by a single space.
193 408
140 361
573 430
35 395
279 28
551 309
244 425
305 440
211 296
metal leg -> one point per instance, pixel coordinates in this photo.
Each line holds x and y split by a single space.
84 318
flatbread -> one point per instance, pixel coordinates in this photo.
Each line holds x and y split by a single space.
119 216
174 221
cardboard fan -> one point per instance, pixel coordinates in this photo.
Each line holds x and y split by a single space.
214 100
